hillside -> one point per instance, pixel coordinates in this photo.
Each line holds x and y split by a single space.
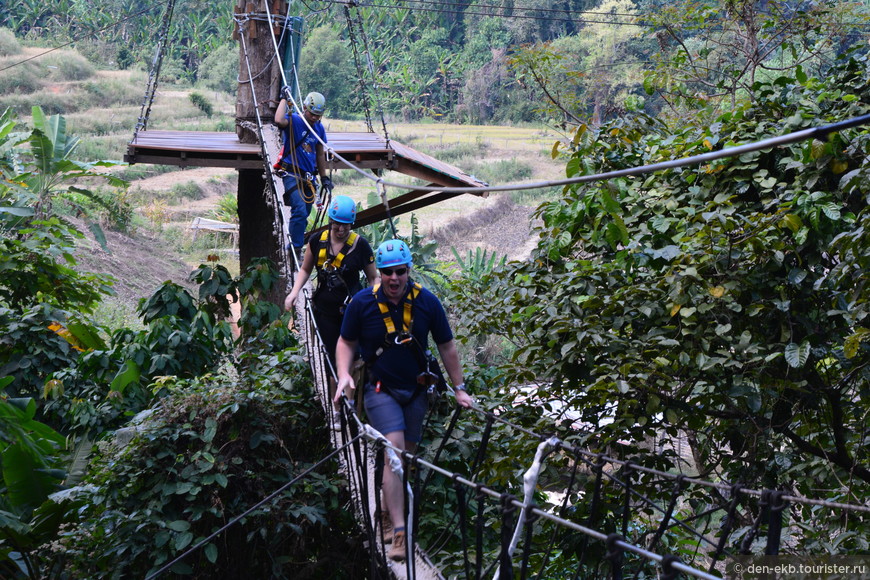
139 262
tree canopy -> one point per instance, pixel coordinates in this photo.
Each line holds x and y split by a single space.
725 303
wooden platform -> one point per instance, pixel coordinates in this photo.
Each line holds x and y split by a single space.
364 150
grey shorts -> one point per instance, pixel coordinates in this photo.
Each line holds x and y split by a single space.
387 415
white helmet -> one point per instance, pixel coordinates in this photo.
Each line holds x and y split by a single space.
315 102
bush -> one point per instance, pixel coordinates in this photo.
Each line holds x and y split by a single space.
189 190
501 171
227 209
67 65
220 69
8 43
209 451
126 58
111 207
110 93
201 103
20 79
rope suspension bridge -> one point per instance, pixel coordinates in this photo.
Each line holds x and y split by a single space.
599 507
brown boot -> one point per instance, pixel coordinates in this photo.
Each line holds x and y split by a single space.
397 550
387 527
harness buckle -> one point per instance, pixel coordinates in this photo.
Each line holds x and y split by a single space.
403 338
427 379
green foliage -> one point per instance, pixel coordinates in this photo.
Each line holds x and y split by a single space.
713 54
201 103
189 190
67 65
227 209
726 302
29 465
321 51
109 93
220 69
9 45
211 450
501 171
19 79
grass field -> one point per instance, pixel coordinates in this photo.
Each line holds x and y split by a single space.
102 107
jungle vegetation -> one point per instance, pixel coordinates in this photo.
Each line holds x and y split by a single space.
724 303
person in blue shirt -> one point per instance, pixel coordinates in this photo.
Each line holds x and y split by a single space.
390 324
303 161
339 256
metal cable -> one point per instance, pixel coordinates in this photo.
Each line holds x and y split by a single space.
241 516
154 72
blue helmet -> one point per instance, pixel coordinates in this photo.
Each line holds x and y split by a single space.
342 210
392 253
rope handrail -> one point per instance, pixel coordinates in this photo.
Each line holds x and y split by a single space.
373 435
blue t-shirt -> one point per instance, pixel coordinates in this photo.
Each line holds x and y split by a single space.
306 152
399 365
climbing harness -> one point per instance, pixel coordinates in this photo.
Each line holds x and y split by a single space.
430 377
334 263
330 268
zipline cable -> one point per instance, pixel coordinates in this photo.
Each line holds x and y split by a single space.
788 139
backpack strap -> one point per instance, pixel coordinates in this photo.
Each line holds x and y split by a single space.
407 310
323 259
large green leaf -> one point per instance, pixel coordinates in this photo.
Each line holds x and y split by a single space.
796 355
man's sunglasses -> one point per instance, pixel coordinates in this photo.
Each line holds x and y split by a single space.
391 271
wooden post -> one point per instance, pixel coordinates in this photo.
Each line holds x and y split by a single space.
258 237
257 52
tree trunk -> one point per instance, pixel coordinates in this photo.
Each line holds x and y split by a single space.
257 61
260 233
257 235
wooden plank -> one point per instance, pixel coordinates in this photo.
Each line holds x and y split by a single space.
221 149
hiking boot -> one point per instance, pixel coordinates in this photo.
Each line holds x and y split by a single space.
387 527
397 550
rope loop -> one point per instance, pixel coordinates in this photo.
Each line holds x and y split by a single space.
776 502
669 572
507 503
613 551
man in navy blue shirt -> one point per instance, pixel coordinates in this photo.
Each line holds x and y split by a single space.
303 160
391 324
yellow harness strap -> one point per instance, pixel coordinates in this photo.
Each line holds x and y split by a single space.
335 262
406 317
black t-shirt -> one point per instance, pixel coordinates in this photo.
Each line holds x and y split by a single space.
334 286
